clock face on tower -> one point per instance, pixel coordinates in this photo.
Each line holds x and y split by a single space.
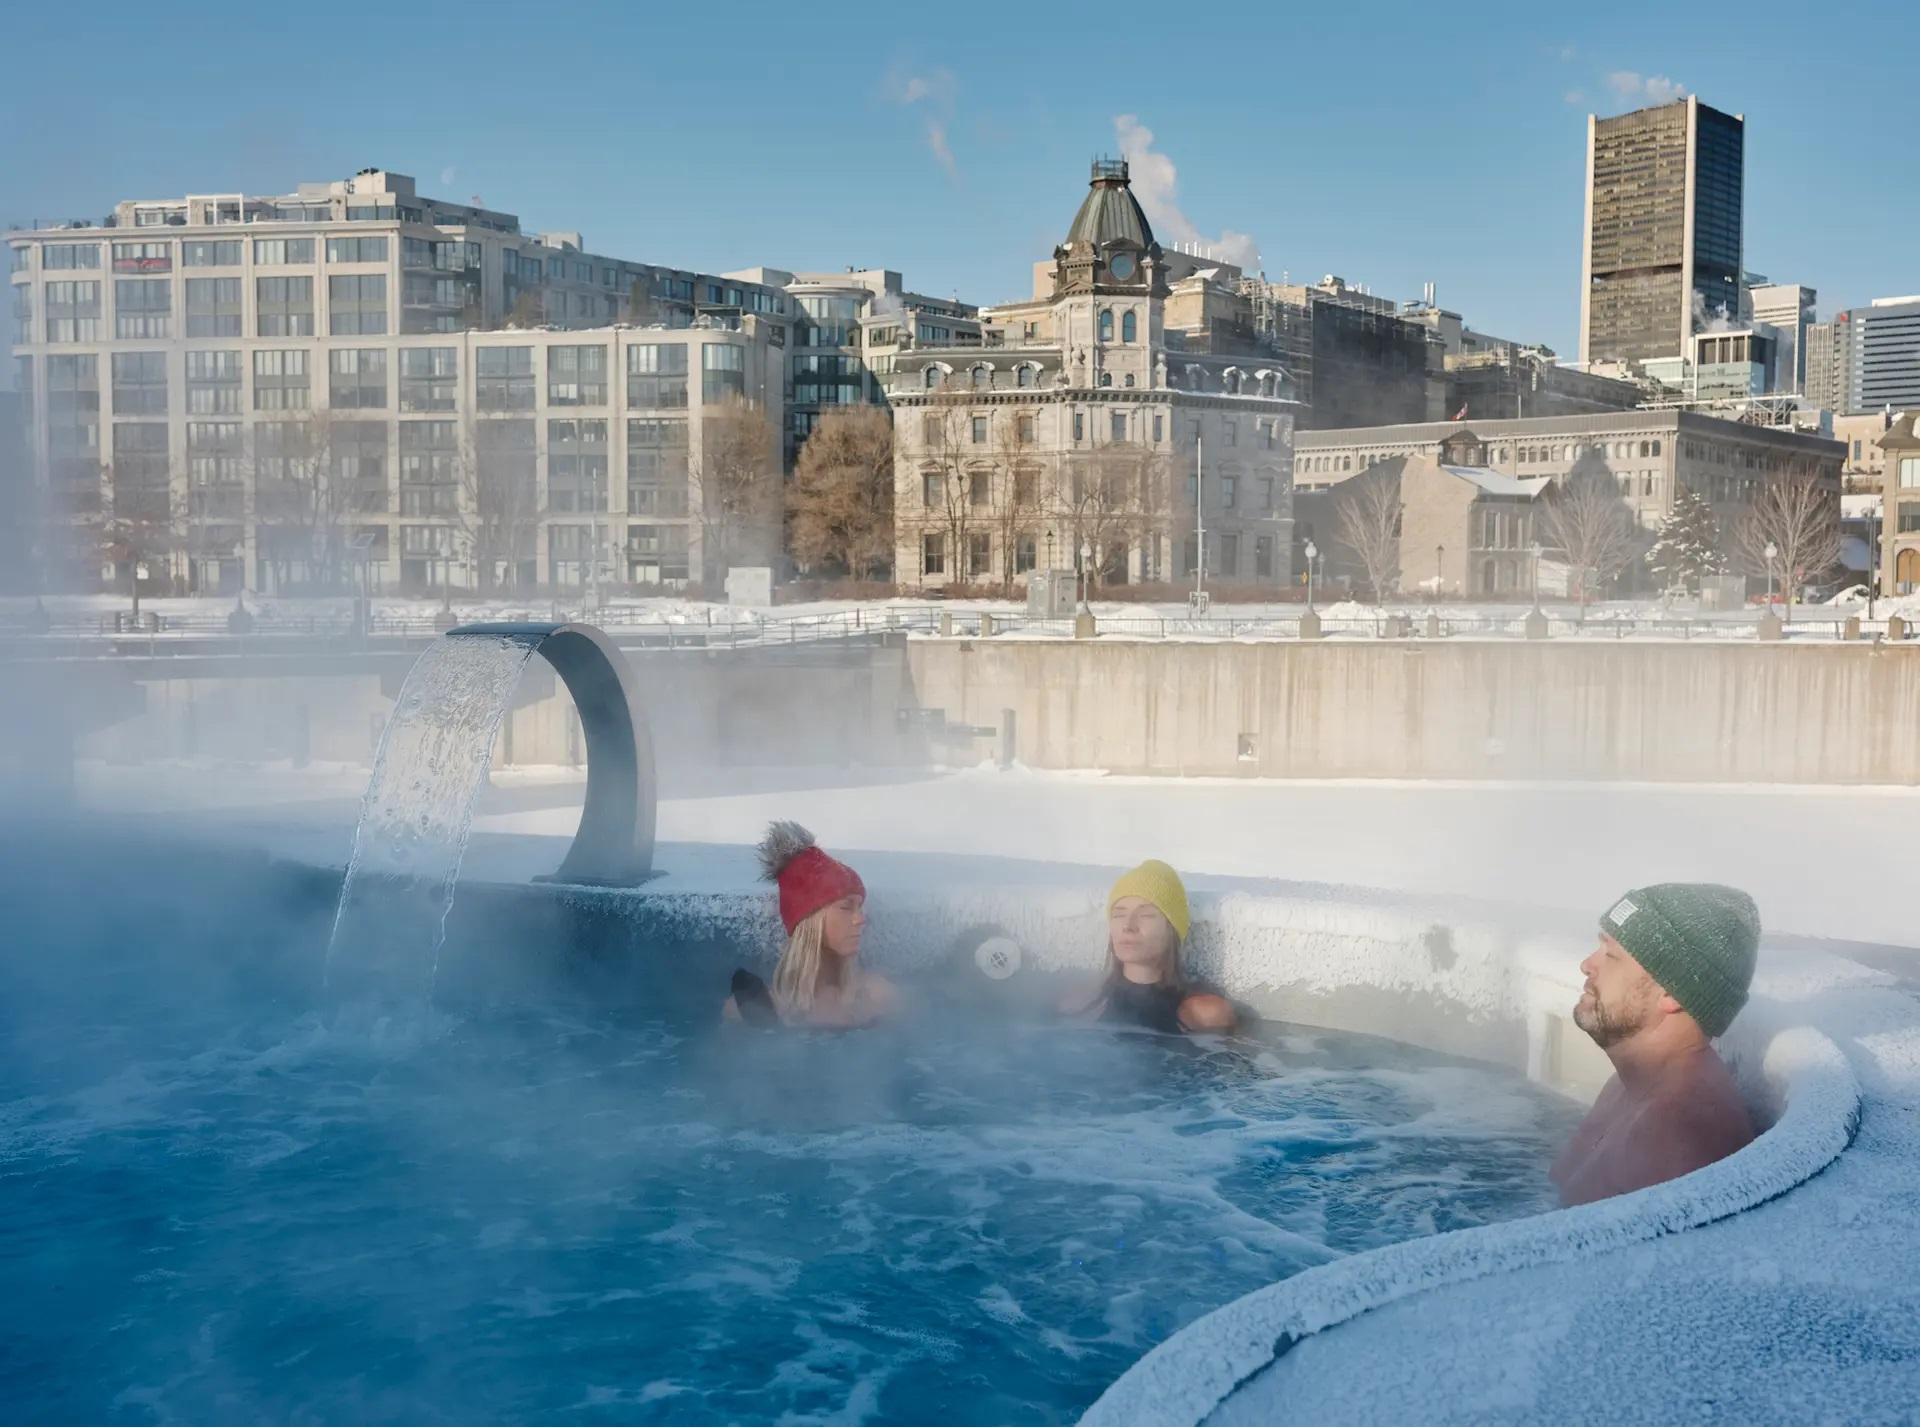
1121 266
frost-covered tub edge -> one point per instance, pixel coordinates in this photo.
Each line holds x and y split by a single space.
1185 1378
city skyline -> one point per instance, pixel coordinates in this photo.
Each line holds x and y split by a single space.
956 150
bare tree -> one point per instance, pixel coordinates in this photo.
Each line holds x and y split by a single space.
841 504
1585 517
734 482
299 500
493 501
1118 496
1367 517
1799 516
949 460
1014 501
138 529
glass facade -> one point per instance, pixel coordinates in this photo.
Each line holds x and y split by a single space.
657 376
213 383
139 384
142 307
577 465
723 373
357 305
213 306
430 379
357 379
282 381
504 379
577 376
283 306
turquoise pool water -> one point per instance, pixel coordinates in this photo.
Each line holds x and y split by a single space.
217 1205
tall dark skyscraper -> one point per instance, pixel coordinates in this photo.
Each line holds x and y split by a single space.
1662 256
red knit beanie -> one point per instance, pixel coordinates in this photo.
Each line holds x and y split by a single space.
807 877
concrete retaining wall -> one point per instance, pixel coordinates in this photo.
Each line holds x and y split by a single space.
805 706
1686 712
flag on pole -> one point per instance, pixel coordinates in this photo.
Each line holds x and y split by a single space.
1461 414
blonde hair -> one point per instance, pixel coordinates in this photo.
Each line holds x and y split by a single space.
797 977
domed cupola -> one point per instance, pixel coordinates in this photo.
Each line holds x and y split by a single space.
1110 246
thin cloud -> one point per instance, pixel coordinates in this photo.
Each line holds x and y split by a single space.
1575 97
1632 87
933 96
1156 183
448 175
1567 52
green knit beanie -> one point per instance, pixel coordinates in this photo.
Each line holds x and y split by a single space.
1697 939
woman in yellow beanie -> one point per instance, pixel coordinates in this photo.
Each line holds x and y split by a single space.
1145 985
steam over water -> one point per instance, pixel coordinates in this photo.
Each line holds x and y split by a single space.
418 811
218 1206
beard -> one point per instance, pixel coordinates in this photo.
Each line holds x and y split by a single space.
1606 1025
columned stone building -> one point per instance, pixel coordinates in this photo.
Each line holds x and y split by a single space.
1081 421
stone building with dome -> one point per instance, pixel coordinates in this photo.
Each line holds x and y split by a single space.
1123 410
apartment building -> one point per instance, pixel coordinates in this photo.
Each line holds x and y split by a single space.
181 361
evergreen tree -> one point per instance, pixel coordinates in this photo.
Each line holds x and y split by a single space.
1688 546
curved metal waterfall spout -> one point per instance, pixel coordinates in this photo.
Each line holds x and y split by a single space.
614 846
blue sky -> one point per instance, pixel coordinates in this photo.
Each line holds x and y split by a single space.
1393 144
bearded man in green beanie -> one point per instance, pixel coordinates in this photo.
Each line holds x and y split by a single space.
1670 974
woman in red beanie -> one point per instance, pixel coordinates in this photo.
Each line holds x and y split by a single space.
823 908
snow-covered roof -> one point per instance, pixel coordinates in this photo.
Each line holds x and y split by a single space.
1497 483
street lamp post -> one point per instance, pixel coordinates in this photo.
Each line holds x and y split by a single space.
1772 552
1311 551
1439 570
1086 574
1536 553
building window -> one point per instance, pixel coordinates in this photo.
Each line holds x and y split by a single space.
279 252
723 373
73 418
1230 553
281 381
1026 490
1129 327
357 305
979 489
429 467
66 256
142 470
139 384
143 257
1023 430
215 456
1079 426
429 378
1229 492
1106 379
142 307
1230 433
577 376
357 379
73 311
1023 376
213 383
356 250
978 428
1158 429
933 554
1127 380
657 375
934 378
979 556
1026 553
933 431
657 466
930 489
283 306
1117 425
223 254
213 307
982 378
1263 556
1106 324
577 465
504 379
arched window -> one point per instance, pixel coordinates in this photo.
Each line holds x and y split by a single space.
1129 327
1023 376
934 378
1106 324
1106 379
982 377
1129 377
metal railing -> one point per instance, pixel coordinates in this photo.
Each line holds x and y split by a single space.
159 632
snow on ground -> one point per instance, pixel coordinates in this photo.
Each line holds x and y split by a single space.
1819 859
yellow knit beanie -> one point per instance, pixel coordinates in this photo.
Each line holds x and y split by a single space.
1160 885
